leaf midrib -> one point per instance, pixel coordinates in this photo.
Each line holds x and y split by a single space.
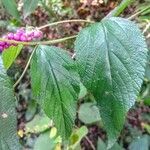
61 100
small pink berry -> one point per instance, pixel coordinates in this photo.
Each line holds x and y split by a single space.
1 48
37 34
6 46
21 30
16 37
2 43
23 38
29 39
10 36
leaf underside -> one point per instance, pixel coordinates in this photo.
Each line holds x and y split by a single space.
111 57
8 122
55 85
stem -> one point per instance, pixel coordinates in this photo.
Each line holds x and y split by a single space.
90 142
40 42
25 69
139 12
119 9
64 21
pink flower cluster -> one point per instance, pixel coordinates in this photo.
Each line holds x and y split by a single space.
22 34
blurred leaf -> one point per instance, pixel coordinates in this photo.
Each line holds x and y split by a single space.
147 71
83 91
146 126
141 143
31 110
44 142
105 1
11 7
29 7
56 86
116 146
9 55
39 124
101 145
147 101
89 113
77 136
53 132
8 121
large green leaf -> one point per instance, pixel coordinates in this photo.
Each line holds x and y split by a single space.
9 55
55 85
8 123
111 57
29 6
11 7
141 143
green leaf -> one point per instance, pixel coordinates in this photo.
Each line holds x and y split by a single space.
83 91
101 145
106 1
55 85
10 54
141 143
147 71
11 7
29 7
39 124
111 57
89 113
44 142
8 122
77 136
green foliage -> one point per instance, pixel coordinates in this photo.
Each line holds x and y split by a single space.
89 113
44 142
29 7
10 54
111 58
55 85
76 137
39 124
11 7
8 122
141 143
102 146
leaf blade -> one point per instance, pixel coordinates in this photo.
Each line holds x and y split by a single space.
56 86
11 7
111 58
29 6
10 54
8 122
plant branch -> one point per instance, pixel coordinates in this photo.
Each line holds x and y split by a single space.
40 42
25 69
64 21
90 142
138 13
120 8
